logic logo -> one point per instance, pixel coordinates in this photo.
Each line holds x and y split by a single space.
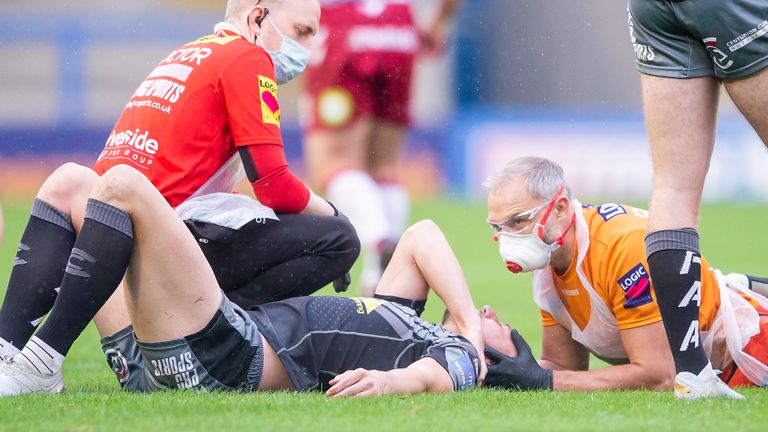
270 109
636 285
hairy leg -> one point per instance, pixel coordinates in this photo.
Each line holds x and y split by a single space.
680 118
751 97
171 291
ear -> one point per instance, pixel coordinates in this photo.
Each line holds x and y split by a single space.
562 207
255 17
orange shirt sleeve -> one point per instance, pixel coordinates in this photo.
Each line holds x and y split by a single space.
547 319
627 283
248 88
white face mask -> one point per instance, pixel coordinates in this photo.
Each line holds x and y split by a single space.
528 252
525 252
290 59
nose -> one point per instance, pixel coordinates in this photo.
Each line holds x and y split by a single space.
488 312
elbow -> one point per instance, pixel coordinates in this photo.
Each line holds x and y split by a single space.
664 381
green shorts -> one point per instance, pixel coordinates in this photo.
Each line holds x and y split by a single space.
727 39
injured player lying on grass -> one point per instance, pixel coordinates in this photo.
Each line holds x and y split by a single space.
190 335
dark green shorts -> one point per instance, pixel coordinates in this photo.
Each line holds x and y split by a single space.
727 39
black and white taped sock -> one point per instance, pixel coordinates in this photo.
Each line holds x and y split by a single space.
37 272
98 262
40 356
674 263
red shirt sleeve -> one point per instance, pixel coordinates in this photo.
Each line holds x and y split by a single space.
248 88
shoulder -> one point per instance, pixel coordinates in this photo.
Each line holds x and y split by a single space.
611 223
253 59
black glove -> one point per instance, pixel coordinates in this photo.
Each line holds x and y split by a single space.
342 284
517 373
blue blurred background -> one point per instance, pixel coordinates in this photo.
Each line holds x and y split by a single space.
542 77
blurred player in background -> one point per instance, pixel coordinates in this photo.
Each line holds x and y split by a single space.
356 115
590 281
207 103
684 50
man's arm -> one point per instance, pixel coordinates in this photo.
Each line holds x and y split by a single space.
423 259
424 375
560 352
275 186
650 365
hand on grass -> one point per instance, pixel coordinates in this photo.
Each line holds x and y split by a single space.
358 382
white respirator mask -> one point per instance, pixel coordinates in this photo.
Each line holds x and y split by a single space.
529 252
525 252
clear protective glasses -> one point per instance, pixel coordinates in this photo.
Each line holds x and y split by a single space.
517 223
520 222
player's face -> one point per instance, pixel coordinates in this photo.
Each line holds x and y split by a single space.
296 19
495 334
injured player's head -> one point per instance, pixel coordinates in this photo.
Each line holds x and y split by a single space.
496 334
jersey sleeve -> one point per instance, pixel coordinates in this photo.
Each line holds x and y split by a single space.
459 358
248 88
547 320
626 282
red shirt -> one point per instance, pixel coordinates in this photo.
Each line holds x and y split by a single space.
186 120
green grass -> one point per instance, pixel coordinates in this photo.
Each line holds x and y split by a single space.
733 239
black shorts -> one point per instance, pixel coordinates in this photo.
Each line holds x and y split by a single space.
226 355
269 260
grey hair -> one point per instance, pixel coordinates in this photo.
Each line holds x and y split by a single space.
542 177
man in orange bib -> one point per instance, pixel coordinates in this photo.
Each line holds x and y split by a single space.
591 283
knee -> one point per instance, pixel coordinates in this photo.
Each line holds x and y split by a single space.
348 242
121 187
70 182
423 229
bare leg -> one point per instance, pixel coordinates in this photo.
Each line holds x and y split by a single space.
385 148
680 117
751 97
384 166
171 291
326 152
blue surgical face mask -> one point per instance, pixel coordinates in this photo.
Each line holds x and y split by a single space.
290 59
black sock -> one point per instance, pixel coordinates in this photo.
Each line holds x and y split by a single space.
37 272
674 263
98 262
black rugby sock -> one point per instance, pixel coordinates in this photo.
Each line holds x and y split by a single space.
98 262
674 263
37 272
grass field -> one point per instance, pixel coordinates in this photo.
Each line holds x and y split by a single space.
733 239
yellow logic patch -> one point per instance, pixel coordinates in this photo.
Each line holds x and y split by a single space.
366 305
270 109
